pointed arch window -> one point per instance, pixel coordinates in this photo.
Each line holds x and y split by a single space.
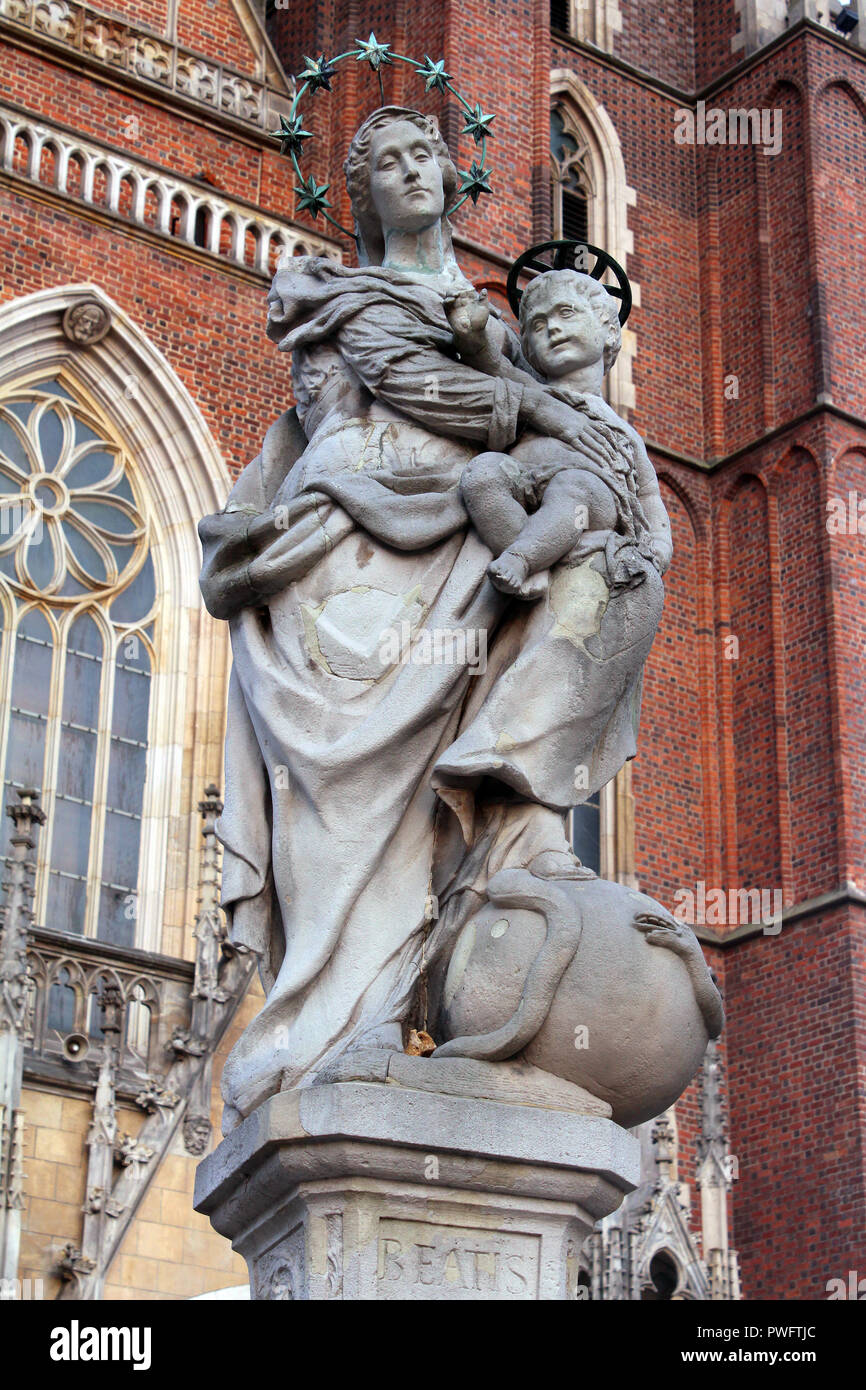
571 183
77 602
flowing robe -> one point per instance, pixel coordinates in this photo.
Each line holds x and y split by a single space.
334 540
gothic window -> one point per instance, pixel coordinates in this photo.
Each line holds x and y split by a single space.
571 177
77 599
62 1003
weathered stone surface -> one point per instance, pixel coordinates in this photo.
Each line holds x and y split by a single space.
443 576
370 1191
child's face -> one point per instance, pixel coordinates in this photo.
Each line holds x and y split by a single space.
563 332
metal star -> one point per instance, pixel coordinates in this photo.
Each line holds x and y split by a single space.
435 74
475 182
478 125
291 135
311 196
374 52
317 73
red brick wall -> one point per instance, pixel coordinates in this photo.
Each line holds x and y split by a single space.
169 138
659 39
715 26
672 721
794 1032
209 324
841 246
212 27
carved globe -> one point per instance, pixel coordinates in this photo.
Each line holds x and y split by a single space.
624 1021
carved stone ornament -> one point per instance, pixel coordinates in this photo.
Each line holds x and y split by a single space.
86 322
196 1134
129 1152
154 1096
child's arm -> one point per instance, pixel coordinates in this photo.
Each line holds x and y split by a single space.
654 508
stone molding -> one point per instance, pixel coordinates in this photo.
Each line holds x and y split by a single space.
608 207
596 22
183 477
363 1191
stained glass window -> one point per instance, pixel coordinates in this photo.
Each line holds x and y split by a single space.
77 598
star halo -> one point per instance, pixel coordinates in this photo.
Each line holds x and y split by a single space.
317 75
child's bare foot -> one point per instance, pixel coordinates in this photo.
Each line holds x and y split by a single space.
510 573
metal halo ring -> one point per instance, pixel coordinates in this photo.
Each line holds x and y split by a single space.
563 260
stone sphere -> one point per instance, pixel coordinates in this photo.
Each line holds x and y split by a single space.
624 1022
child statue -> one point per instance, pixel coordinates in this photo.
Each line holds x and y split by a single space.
539 502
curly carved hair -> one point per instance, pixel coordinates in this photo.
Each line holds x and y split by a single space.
603 305
371 247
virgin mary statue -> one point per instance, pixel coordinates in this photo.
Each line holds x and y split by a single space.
398 728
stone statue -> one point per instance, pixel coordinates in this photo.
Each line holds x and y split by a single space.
394 824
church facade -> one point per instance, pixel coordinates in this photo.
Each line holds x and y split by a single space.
717 154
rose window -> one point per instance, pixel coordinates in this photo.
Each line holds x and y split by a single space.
69 524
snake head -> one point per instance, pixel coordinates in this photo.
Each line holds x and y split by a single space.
664 931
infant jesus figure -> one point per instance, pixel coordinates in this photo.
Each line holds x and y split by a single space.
544 499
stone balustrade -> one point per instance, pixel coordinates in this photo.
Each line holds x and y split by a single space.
149 197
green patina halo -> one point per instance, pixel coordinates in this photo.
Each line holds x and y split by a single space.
317 75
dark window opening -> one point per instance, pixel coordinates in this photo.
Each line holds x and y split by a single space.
559 15
201 227
575 216
586 833
665 1278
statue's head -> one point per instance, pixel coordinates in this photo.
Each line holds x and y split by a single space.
567 321
399 175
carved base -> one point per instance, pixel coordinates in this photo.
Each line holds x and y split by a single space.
364 1191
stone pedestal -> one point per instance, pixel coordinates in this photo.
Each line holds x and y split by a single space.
367 1191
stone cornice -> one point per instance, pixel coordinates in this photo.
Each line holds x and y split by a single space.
743 450
689 96
810 907
92 951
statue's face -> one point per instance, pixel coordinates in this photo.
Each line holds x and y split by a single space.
405 178
563 332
